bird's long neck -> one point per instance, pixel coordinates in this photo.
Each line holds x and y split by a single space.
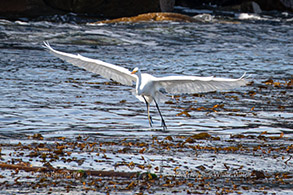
138 83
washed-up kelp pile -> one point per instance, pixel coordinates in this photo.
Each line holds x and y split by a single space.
189 164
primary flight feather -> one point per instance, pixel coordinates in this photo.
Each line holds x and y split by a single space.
148 88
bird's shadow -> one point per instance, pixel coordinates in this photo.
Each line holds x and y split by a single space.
158 129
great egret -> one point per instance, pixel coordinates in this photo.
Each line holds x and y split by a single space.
149 88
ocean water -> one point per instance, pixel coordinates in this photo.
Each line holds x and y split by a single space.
42 94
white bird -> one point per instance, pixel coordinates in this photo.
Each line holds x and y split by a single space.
149 88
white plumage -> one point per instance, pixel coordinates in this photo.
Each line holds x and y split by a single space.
148 87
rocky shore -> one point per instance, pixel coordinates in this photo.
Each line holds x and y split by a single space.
114 8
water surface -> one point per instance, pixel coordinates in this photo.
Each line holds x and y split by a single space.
41 94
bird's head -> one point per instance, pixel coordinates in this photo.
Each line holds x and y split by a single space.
135 70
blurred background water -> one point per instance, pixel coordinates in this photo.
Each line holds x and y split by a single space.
41 94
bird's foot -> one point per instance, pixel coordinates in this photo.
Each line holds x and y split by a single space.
163 124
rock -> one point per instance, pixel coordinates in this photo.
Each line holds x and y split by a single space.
250 7
189 3
279 5
167 5
245 7
266 5
27 8
127 8
288 4
108 9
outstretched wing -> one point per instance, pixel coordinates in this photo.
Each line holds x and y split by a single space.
193 84
106 70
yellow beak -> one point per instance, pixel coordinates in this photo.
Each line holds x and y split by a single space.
134 71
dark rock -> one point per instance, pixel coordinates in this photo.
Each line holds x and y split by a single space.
246 7
280 5
288 4
27 8
167 5
250 7
210 3
108 9
266 5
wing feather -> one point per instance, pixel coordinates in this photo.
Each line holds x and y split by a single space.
106 70
193 84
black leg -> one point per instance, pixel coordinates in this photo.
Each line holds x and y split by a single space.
163 121
148 110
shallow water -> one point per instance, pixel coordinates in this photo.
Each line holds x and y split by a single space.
42 94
